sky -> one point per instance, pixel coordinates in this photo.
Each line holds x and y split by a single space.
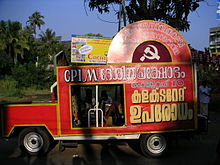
67 17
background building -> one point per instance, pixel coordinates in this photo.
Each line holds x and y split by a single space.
214 40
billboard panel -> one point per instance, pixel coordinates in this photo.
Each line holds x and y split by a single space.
86 49
158 97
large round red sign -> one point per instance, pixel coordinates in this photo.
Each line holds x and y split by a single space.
128 44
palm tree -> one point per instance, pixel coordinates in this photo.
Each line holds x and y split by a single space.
50 44
35 20
49 36
13 39
21 45
3 45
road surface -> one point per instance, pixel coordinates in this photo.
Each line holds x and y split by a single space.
201 150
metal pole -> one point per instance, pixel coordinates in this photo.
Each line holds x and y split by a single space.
96 108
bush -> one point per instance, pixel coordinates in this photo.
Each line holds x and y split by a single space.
28 75
5 64
9 87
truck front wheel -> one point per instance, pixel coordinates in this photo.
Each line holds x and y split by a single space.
153 145
34 141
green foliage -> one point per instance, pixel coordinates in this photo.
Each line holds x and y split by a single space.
10 91
95 35
23 57
9 87
28 75
203 74
174 13
5 64
211 76
49 44
13 43
13 39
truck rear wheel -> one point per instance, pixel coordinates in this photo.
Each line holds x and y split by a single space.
153 145
34 141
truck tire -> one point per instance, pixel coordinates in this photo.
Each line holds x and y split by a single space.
34 141
153 145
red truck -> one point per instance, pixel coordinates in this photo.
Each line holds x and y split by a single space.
146 92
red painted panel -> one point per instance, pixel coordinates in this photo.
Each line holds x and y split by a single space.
163 92
31 115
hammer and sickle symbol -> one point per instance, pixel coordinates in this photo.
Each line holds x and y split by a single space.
152 54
